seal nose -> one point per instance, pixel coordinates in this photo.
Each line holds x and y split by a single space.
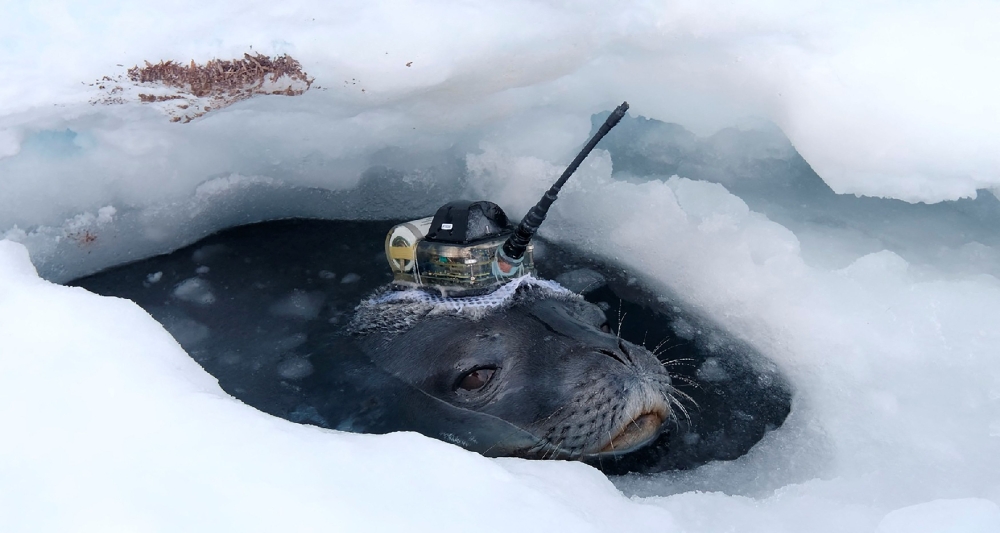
620 356
623 354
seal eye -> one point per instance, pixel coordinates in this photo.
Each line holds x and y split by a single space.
605 328
476 379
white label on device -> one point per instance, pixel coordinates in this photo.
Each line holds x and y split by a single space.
446 227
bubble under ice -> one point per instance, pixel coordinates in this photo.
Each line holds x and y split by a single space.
299 304
194 290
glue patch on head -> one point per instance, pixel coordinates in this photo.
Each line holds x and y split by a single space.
395 311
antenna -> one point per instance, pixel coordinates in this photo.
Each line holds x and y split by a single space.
513 249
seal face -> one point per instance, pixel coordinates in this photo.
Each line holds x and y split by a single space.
532 354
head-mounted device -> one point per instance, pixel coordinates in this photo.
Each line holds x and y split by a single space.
471 247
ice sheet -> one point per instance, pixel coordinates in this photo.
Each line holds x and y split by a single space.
890 344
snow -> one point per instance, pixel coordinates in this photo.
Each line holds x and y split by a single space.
889 343
109 425
970 515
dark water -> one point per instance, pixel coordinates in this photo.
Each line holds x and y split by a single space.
263 307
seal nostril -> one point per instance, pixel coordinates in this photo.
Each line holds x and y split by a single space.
613 355
623 346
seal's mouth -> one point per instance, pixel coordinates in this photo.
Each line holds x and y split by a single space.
636 433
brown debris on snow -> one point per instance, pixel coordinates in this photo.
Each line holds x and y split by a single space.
236 79
148 98
84 237
186 92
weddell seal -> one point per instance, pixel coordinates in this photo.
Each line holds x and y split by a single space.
533 354
467 322
269 309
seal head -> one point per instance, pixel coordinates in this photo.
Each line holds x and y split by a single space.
532 354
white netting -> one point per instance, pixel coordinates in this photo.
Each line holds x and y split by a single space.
398 310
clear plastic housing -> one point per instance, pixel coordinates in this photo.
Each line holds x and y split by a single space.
452 268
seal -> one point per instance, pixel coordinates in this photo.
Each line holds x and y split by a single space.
292 318
532 354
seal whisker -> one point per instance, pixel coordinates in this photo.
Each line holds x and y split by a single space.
550 433
545 453
621 320
540 450
541 447
673 396
675 392
687 380
678 362
684 395
662 342
554 413
557 447
587 288
667 349
673 401
551 450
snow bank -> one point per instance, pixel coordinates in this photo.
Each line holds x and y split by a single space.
896 417
897 387
109 425
891 99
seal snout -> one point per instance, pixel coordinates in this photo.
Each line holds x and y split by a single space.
633 403
636 432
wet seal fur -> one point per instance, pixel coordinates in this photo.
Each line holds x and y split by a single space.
555 372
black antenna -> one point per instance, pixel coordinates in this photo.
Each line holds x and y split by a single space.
513 249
